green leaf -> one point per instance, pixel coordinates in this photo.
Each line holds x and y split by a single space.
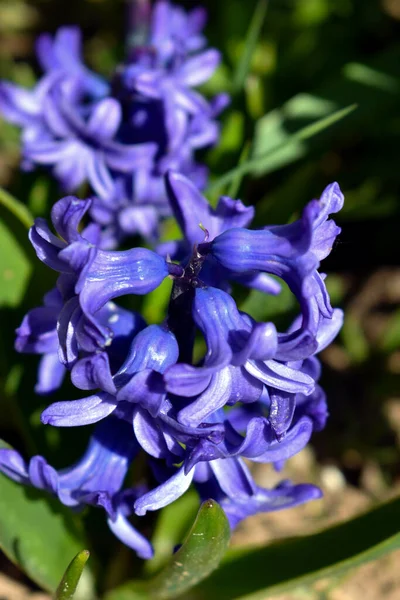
199 555
268 161
366 75
172 524
37 533
257 574
277 126
253 34
19 210
15 265
68 584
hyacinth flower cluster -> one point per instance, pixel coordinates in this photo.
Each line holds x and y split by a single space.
121 136
253 395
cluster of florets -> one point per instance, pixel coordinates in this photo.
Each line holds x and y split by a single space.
254 394
121 136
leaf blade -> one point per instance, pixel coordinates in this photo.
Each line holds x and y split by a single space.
300 561
253 34
260 163
37 533
199 555
19 210
69 582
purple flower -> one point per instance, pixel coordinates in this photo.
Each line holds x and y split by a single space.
175 32
90 277
197 220
38 334
136 392
293 253
254 394
25 107
96 479
121 137
83 148
245 361
230 483
63 53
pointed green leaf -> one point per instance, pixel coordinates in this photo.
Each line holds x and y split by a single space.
68 584
256 574
366 75
266 162
19 210
37 532
172 524
199 555
253 34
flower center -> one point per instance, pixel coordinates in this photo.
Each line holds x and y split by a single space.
180 316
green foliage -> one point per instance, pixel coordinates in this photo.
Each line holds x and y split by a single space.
69 583
255 574
38 534
199 555
243 67
280 151
18 209
15 268
172 525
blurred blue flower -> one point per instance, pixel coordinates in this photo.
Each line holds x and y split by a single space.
121 136
82 148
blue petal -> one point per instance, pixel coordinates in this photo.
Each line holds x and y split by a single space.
190 208
51 374
233 477
73 413
47 246
149 434
197 69
42 475
105 118
68 321
282 497
281 411
66 216
13 465
37 333
232 213
214 397
145 388
295 440
243 250
129 536
164 494
93 372
281 376
112 274
155 347
105 463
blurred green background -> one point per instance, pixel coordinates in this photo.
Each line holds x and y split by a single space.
312 58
